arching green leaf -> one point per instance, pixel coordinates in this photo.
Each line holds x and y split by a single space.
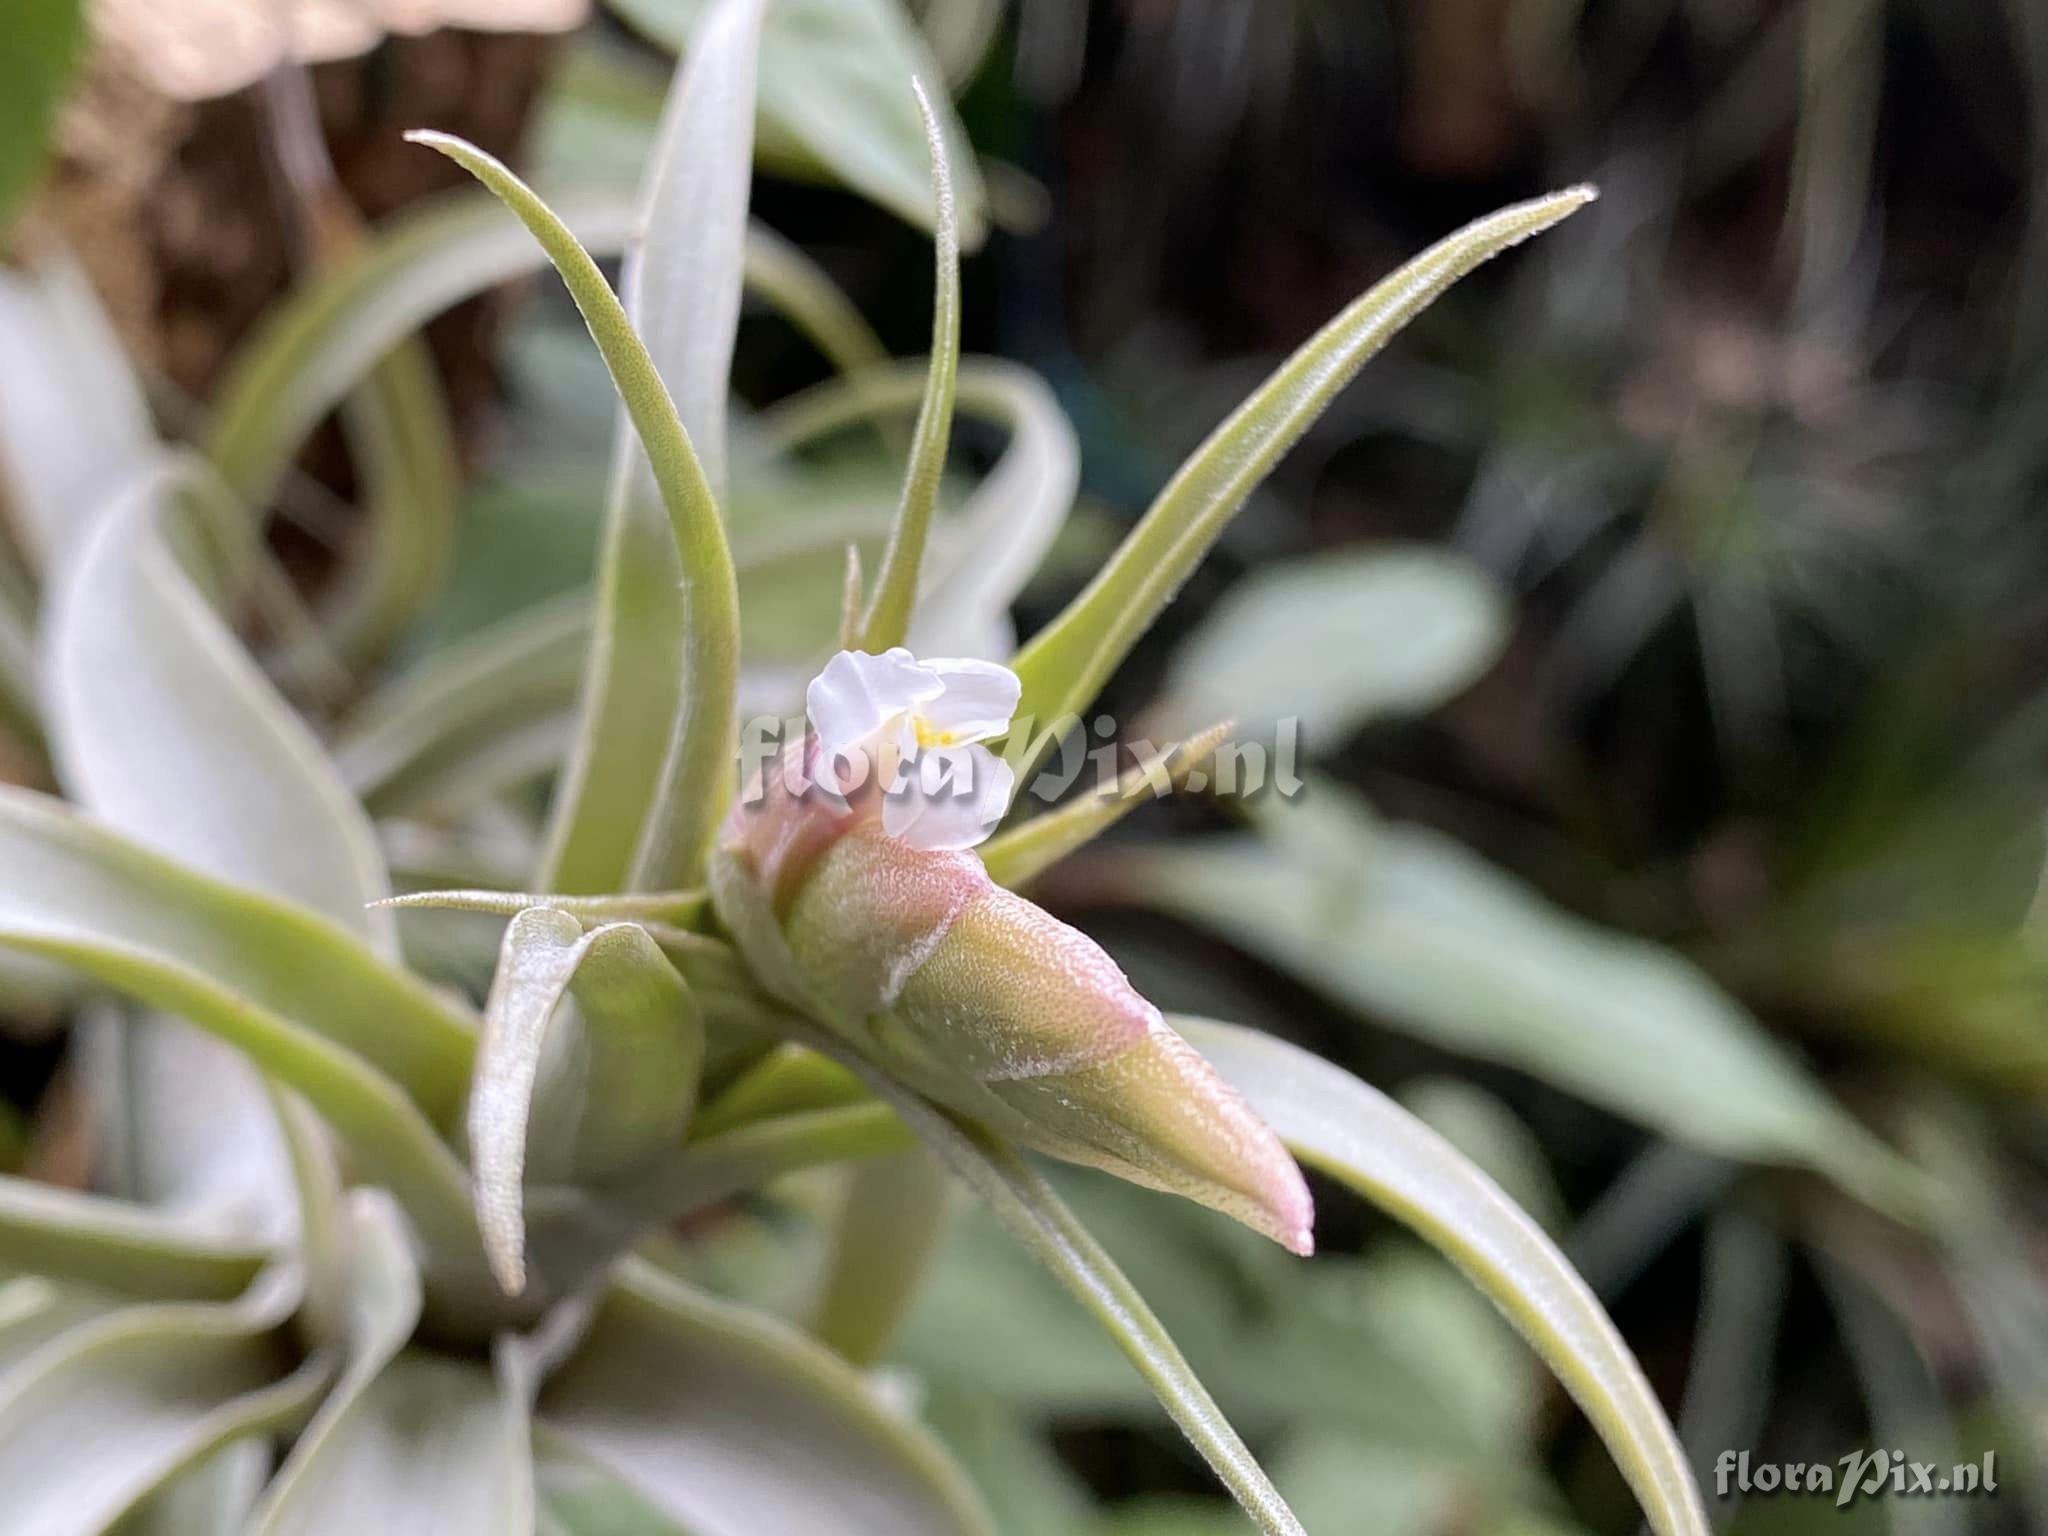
165 728
1065 665
71 1235
606 1097
1353 1133
888 615
1423 935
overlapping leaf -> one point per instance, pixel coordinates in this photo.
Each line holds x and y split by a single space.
103 1415
790 1443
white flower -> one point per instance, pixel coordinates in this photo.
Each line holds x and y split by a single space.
916 727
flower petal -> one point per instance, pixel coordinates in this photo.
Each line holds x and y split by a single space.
857 694
978 701
950 798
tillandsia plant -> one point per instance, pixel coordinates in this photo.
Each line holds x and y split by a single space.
462 1313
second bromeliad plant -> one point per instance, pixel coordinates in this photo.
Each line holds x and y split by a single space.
725 982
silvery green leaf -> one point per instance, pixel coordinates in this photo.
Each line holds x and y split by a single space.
590 1099
163 725
1338 1125
101 1416
382 1298
792 1443
169 935
407 1441
439 723
833 77
1065 665
206 1500
73 1236
889 1225
1423 935
74 427
182 1123
435 1445
581 1499
1337 641
326 335
888 613
295 994
165 728
622 817
675 765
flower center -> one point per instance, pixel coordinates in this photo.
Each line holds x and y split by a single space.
929 735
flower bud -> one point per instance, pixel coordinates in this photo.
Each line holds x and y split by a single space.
987 1004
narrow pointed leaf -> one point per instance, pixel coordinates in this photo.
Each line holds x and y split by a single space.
888 616
165 728
623 1079
1034 1215
325 337
1358 1136
100 1241
403 447
676 907
650 761
791 1443
1065 665
832 74
982 555
1014 858
670 784
102 1416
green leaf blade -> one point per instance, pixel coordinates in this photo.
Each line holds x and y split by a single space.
1065 665
1348 1130
793 1443
624 1099
888 616
651 769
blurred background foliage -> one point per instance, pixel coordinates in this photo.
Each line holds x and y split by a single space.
1664 611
